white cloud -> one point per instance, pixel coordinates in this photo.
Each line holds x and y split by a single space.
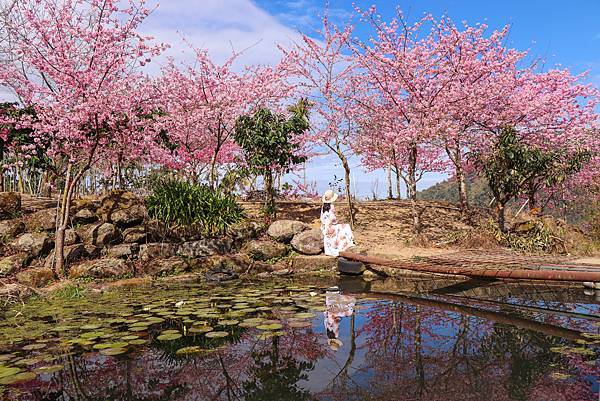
219 26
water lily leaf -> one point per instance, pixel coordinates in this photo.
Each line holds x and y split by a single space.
129 337
113 351
139 341
34 346
299 324
6 371
49 369
90 327
217 334
200 329
18 378
304 315
170 332
169 337
227 322
189 350
272 326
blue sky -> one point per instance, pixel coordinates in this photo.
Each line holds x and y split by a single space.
565 34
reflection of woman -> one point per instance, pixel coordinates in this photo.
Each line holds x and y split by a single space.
336 237
337 306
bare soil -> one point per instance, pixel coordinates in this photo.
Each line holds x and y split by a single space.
385 227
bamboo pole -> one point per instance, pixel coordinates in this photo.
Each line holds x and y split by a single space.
517 274
513 320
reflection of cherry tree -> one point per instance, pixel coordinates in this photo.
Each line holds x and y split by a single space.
152 374
416 352
275 375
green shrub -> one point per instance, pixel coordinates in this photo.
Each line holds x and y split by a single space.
181 204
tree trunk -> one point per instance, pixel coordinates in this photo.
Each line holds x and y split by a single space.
500 217
412 188
1 171
461 182
213 172
531 197
348 193
389 182
62 222
62 215
398 182
20 181
270 196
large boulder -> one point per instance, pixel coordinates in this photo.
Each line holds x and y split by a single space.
102 268
205 247
305 263
35 244
42 220
135 234
158 250
13 292
84 216
308 242
123 251
10 204
11 228
71 237
11 264
264 250
169 266
122 208
101 234
72 253
245 231
37 277
284 230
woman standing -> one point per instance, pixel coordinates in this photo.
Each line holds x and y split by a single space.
337 237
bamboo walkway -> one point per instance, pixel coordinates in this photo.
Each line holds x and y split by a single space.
491 265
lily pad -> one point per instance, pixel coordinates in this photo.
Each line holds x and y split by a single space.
217 334
6 371
188 350
299 324
18 378
113 351
169 337
272 326
304 315
34 346
228 322
49 369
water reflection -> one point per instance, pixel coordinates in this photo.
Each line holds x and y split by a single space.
365 346
337 306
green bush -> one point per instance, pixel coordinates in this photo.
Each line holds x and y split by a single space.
181 204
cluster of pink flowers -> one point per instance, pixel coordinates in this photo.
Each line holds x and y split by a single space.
416 97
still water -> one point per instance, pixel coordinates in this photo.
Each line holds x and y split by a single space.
297 341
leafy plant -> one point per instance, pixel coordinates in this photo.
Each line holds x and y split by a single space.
516 168
268 141
182 204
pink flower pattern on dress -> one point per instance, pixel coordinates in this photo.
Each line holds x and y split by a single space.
337 237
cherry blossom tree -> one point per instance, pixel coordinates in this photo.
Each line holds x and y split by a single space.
199 104
323 71
401 86
76 62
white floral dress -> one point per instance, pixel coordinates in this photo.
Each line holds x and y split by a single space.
337 237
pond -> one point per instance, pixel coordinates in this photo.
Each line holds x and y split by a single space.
303 341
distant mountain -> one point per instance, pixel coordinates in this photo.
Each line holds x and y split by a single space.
447 191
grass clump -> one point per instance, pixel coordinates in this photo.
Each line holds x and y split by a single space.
182 204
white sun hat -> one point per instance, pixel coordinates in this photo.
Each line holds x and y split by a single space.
329 196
